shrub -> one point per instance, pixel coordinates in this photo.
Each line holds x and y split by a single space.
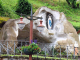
42 52
2 19
73 3
77 28
17 51
23 7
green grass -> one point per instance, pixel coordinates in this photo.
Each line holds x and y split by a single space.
72 15
35 56
10 6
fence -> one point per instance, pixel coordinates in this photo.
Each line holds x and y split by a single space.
13 48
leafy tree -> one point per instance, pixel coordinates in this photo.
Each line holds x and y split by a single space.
1 8
23 7
72 3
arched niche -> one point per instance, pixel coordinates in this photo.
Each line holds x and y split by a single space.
49 15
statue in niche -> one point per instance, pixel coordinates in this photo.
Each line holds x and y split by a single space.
49 23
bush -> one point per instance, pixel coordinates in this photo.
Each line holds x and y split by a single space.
42 52
17 51
77 28
2 19
23 7
72 3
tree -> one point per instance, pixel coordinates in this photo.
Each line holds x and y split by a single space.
1 9
23 7
72 3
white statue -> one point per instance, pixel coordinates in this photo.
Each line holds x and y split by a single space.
49 23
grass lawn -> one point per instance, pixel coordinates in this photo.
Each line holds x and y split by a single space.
10 6
35 56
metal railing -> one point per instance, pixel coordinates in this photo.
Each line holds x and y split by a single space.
47 49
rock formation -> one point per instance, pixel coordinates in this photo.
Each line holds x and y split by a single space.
61 32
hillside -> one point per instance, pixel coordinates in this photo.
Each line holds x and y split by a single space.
73 15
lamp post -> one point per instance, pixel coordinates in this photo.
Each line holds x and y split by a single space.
21 25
